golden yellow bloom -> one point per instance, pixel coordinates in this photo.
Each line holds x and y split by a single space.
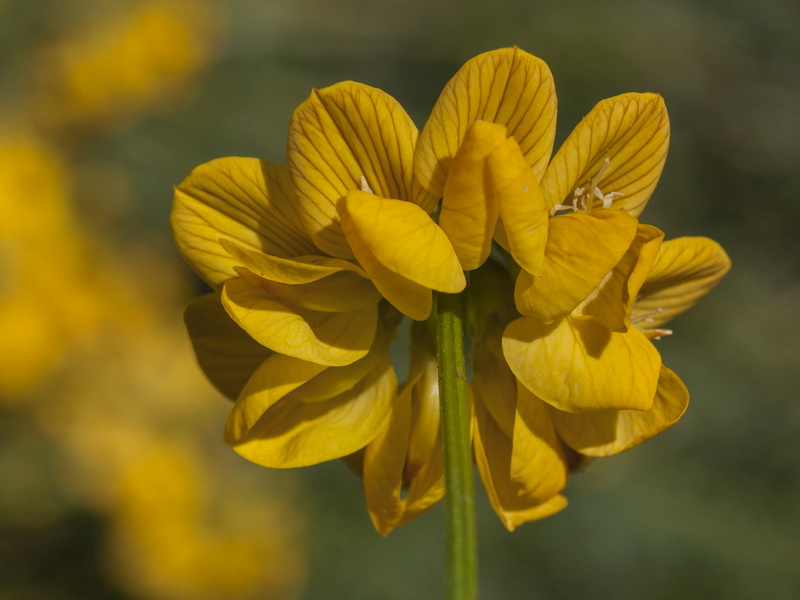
313 266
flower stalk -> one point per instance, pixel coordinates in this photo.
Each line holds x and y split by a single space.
461 560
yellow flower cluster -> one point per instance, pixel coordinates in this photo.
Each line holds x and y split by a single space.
314 266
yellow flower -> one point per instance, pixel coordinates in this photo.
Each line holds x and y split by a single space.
684 270
314 265
301 258
125 63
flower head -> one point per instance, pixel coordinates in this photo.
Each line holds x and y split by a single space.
313 266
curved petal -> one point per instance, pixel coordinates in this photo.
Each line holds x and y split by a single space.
581 250
226 354
344 291
493 450
395 237
578 365
619 148
538 462
338 380
469 210
612 301
522 210
506 86
332 339
276 377
342 138
685 270
296 434
608 432
300 269
384 471
242 199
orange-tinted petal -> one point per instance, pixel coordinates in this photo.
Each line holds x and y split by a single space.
506 86
344 137
608 432
242 199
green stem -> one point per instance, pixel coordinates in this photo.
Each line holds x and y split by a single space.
462 548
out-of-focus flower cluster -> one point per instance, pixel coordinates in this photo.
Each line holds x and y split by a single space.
95 365
315 265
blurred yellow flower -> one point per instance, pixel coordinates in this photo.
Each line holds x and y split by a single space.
125 63
168 545
48 284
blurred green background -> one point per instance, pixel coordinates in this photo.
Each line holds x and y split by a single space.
115 480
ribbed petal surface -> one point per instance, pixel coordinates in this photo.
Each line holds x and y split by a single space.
507 86
245 200
341 138
685 270
631 132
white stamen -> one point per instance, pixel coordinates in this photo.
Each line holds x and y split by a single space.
365 186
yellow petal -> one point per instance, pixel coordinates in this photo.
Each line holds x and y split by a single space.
344 291
611 302
493 381
300 269
493 459
469 210
297 434
333 339
384 471
608 432
507 86
227 355
342 138
276 377
519 198
624 139
242 199
685 270
581 250
578 365
335 381
538 463
398 244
